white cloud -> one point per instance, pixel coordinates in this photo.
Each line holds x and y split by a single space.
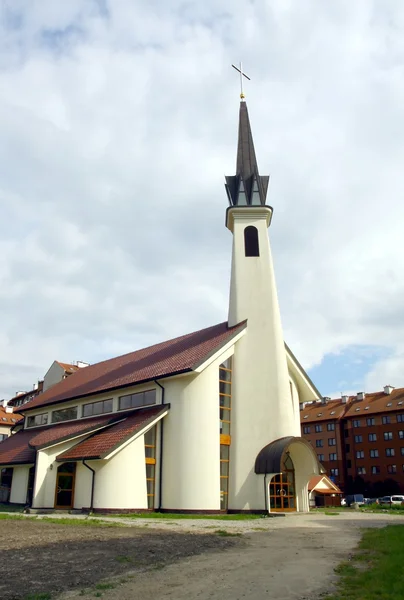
118 123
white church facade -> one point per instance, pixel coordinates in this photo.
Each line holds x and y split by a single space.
206 422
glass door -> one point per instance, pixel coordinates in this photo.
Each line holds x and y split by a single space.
282 495
64 494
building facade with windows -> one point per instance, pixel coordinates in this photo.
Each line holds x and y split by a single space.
208 421
366 454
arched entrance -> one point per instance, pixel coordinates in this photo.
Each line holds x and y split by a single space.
65 480
282 491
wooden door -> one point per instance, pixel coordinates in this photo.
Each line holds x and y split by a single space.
65 480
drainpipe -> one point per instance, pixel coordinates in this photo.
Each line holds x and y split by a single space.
266 492
92 485
161 449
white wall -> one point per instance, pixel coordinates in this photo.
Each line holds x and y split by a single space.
120 482
262 407
191 462
5 429
19 485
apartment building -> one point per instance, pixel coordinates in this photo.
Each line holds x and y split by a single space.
359 440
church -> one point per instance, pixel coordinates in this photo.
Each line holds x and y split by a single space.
206 422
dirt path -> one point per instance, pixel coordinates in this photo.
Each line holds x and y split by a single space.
293 559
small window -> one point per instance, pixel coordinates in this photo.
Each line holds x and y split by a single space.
370 421
374 454
320 457
332 412
390 452
391 469
137 400
375 470
97 408
332 442
330 426
386 419
372 437
64 414
358 439
400 418
361 471
251 246
356 423
319 443
333 456
318 428
360 454
334 472
388 435
37 420
306 429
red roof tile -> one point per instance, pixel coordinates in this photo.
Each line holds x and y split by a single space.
15 449
103 442
7 418
52 434
175 356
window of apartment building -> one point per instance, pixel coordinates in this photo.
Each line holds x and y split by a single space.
361 471
37 420
370 421
356 423
374 454
390 452
360 454
64 414
333 456
391 469
334 472
332 442
137 400
320 457
400 418
386 419
319 443
97 408
347 447
358 439
3 436
372 437
375 470
388 435
306 429
402 451
318 428
330 426
348 463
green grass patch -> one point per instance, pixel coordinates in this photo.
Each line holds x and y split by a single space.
123 559
5 516
14 508
327 512
41 596
221 517
376 570
79 522
225 533
105 586
394 509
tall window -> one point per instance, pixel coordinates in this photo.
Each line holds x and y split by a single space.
225 373
251 246
150 456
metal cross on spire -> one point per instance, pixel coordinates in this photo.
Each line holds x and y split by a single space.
240 70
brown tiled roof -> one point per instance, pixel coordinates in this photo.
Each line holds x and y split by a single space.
333 489
67 367
373 403
15 449
101 443
52 434
378 402
316 411
7 418
172 357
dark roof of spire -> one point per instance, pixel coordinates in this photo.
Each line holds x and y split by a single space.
247 187
246 159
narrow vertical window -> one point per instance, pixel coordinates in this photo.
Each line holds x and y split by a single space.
225 372
251 246
150 455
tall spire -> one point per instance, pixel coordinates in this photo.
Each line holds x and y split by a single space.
247 187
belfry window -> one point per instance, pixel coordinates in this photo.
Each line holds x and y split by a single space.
251 245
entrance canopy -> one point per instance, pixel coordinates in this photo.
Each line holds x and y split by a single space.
269 459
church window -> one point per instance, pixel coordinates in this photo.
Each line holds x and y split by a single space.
251 245
225 380
37 420
64 414
97 408
137 400
150 456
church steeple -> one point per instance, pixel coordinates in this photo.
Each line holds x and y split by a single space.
247 187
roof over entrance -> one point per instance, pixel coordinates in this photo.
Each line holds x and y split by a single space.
103 442
180 355
323 485
269 459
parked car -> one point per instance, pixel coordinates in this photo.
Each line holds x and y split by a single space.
389 500
357 498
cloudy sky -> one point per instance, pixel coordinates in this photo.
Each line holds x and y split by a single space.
118 122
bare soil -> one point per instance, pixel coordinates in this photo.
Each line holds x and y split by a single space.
38 557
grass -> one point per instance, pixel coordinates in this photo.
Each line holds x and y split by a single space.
14 508
376 570
105 586
327 512
41 596
219 517
225 533
394 509
79 522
